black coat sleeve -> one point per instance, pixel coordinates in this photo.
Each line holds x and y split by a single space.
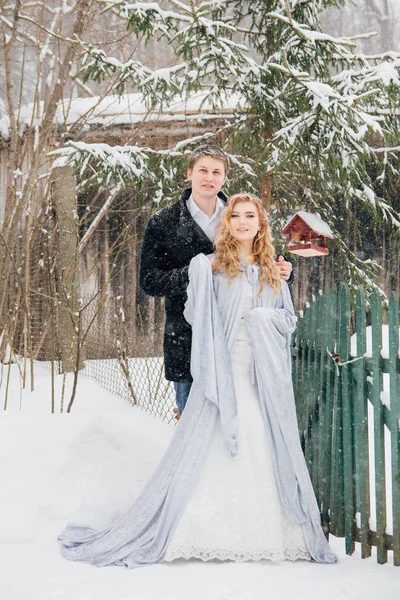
157 277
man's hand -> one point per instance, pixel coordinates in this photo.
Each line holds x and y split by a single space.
285 268
212 262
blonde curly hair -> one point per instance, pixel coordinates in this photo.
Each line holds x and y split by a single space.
226 247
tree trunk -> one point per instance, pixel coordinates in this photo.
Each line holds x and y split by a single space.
67 260
266 192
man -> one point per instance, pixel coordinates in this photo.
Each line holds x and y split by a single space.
174 235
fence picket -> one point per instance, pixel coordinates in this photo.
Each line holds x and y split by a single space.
337 483
379 434
325 440
318 464
306 374
312 416
303 379
361 428
347 419
296 368
395 422
342 415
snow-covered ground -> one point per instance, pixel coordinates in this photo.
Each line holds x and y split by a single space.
89 466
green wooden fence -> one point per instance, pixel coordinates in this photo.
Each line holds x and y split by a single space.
348 403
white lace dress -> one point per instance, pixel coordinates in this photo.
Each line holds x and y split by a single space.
235 512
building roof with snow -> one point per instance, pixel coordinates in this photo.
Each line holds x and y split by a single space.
128 109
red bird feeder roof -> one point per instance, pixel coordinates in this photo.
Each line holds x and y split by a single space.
307 235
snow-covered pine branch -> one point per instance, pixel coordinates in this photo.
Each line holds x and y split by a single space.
205 45
163 82
96 65
126 165
313 107
115 163
148 18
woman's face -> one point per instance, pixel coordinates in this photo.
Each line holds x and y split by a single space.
244 222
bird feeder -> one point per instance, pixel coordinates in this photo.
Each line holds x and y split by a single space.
307 235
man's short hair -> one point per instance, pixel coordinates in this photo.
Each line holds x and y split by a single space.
208 150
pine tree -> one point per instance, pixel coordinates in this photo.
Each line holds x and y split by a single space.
317 122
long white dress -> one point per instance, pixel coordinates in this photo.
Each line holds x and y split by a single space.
235 512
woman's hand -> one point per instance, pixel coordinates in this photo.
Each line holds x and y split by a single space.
285 267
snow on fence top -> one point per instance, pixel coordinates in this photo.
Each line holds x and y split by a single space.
125 109
369 342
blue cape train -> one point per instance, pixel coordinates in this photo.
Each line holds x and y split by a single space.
141 535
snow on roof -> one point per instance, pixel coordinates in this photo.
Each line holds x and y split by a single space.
127 109
315 222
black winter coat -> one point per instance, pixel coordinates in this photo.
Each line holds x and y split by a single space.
172 238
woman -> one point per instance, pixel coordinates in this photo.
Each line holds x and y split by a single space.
233 484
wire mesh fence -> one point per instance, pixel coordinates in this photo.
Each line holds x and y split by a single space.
77 307
143 385
126 363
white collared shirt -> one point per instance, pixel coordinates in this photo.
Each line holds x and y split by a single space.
207 224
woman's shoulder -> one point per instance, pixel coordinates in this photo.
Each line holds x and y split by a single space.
284 289
200 258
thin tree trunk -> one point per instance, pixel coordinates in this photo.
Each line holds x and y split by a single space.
15 207
266 192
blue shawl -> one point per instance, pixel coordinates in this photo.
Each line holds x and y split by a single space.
140 536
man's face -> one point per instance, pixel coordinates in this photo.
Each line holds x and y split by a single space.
207 177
